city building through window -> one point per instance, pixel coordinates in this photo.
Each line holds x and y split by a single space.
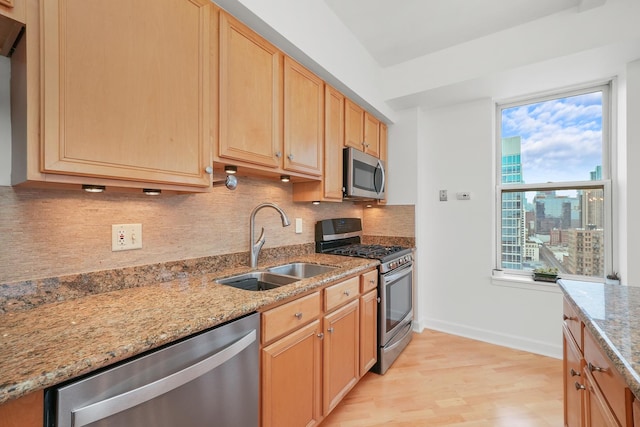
554 202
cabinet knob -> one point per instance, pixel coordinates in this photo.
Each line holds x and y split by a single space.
330 330
208 170
372 281
298 316
565 317
320 335
290 156
278 154
574 373
593 367
347 293
579 386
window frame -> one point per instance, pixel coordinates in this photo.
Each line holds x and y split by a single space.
605 183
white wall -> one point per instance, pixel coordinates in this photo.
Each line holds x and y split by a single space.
629 230
456 240
5 122
402 164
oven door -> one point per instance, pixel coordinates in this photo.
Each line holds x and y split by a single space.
396 301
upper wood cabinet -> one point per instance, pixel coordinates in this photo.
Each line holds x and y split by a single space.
330 187
125 90
361 129
250 96
303 119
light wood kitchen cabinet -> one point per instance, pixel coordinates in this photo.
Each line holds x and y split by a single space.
26 411
14 9
311 357
368 331
250 96
597 412
573 382
361 129
329 189
12 19
341 369
143 114
303 119
291 379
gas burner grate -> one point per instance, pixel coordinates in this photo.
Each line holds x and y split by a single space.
367 251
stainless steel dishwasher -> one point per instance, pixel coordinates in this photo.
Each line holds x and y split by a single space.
210 379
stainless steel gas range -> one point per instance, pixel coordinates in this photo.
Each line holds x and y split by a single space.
342 236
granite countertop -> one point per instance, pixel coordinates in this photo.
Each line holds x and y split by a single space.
57 341
612 314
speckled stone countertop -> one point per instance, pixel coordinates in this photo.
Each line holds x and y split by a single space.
56 341
612 314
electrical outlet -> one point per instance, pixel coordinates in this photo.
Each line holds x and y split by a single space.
463 195
298 225
443 195
125 237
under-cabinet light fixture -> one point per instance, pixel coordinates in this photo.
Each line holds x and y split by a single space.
315 202
151 191
285 178
230 169
89 188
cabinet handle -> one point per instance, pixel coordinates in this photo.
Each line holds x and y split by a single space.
579 386
320 335
330 330
574 373
593 367
372 281
298 315
290 156
378 300
278 154
208 170
347 293
565 317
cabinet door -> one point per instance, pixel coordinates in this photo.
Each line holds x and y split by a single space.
126 90
291 387
333 143
250 96
341 354
14 9
371 135
368 331
597 411
353 125
573 382
303 119
383 157
26 411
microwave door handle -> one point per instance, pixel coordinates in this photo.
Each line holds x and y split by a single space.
381 168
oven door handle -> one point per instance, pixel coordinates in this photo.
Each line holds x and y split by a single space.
105 408
394 275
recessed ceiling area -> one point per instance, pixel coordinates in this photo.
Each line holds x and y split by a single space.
395 32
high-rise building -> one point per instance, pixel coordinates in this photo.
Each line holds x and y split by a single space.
512 206
586 252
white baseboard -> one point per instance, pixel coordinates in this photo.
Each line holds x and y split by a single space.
505 340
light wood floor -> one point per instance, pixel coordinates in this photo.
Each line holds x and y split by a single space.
445 380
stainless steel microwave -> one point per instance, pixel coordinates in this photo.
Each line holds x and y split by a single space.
363 177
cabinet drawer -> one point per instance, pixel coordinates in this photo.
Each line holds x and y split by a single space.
368 281
608 380
289 316
573 322
340 293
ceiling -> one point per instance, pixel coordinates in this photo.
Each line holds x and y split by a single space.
414 28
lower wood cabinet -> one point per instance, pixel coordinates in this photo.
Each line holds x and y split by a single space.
573 382
26 411
341 351
311 359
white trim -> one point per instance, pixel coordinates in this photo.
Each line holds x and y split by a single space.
505 340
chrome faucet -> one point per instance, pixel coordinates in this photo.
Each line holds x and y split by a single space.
255 247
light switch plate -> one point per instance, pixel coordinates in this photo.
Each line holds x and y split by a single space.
125 237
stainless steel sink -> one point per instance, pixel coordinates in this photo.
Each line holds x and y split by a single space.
302 270
257 281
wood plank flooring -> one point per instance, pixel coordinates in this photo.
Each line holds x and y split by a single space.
445 380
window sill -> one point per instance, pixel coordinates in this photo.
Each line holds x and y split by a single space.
524 282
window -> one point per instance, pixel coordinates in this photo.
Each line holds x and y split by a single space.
554 201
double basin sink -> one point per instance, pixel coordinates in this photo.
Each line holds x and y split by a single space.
274 277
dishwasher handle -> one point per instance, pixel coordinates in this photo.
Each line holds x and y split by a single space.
105 408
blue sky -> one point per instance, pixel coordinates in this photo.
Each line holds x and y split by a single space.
561 138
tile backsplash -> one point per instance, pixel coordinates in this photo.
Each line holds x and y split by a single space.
49 233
